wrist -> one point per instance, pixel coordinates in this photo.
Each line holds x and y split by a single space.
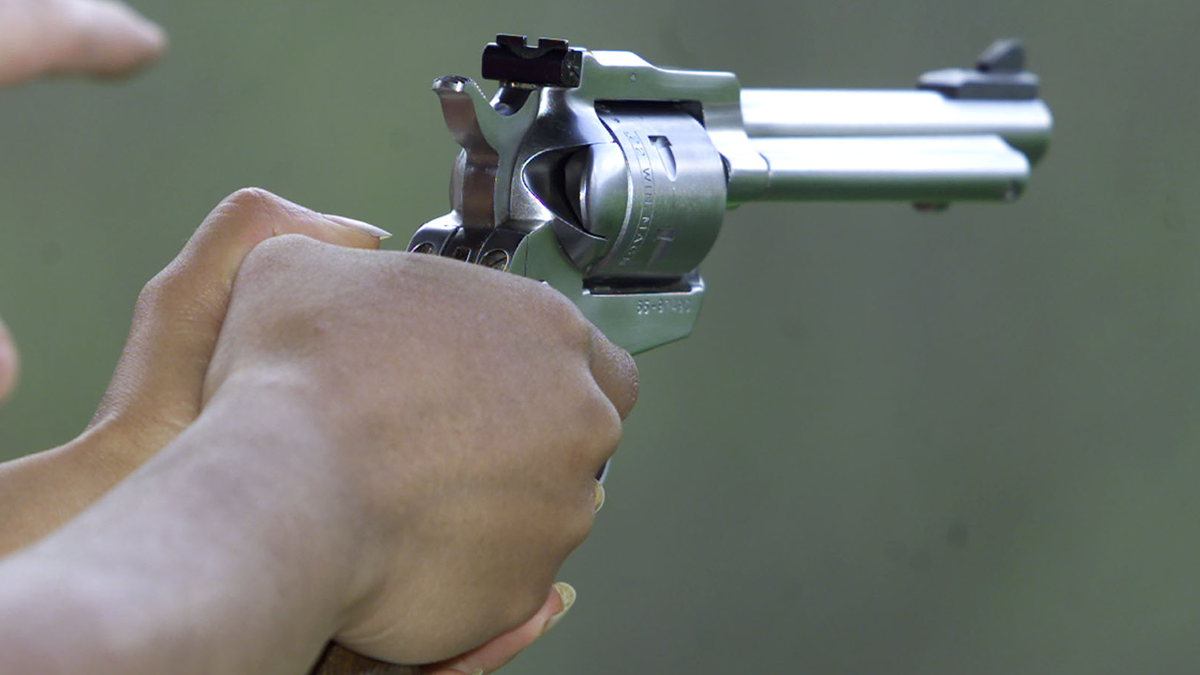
243 526
109 450
41 491
270 426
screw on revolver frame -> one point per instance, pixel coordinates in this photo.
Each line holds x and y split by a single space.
496 259
552 63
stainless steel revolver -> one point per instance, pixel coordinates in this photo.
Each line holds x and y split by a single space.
608 178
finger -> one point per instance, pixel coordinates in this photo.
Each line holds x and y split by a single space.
8 363
501 649
247 218
110 39
181 310
615 372
81 37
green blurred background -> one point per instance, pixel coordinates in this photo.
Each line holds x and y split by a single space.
896 443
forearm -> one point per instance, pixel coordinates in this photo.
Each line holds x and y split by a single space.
223 554
40 492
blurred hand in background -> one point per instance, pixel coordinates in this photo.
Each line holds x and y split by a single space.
96 38
8 363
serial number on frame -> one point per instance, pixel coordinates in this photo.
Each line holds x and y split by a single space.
662 306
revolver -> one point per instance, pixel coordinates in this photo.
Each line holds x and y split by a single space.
608 178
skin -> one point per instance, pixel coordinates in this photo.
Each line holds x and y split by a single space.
159 388
155 392
94 38
8 363
89 38
213 559
450 415
190 437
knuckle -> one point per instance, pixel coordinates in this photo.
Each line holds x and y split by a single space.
598 430
633 382
526 603
274 255
236 219
173 299
251 201
603 415
174 295
240 221
577 528
246 209
562 319
627 385
608 428
160 286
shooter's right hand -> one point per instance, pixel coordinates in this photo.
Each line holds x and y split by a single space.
462 415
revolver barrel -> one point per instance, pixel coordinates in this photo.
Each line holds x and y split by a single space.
919 146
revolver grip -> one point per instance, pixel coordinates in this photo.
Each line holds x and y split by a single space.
337 660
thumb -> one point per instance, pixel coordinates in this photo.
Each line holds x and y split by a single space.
180 311
501 649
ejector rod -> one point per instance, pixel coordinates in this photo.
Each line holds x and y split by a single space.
900 145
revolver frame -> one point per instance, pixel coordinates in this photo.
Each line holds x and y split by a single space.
608 177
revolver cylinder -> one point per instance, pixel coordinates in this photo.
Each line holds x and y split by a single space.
658 183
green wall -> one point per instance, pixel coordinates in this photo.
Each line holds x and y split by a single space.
896 443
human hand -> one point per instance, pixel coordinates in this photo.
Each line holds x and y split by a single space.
465 414
98 38
487 658
155 392
8 363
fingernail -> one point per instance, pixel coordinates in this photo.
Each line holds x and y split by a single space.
597 497
460 668
359 225
566 593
